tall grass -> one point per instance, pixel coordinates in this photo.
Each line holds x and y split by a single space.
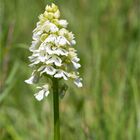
108 106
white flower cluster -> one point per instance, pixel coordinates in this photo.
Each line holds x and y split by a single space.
52 51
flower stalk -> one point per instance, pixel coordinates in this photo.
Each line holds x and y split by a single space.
53 59
56 110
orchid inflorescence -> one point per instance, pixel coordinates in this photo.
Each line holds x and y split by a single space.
52 53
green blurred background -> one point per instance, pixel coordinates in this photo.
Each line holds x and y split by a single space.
108 106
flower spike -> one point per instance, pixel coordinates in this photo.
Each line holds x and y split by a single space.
53 54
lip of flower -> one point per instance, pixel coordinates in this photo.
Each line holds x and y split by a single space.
60 51
50 39
69 35
54 59
78 82
56 50
49 70
62 41
38 56
75 61
34 63
35 44
61 74
37 35
76 65
43 92
32 80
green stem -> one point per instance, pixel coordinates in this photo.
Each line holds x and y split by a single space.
56 110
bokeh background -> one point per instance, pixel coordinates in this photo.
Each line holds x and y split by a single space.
108 44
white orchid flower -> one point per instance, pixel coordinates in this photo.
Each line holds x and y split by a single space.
42 93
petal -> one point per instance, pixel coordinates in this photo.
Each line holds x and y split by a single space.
41 68
63 32
70 36
73 75
50 38
43 92
57 61
33 79
35 63
65 76
76 65
47 93
63 23
30 80
57 14
61 51
54 59
46 87
36 35
73 42
49 49
78 82
53 28
49 70
32 58
62 41
34 45
59 74
40 95
76 59
42 58
48 8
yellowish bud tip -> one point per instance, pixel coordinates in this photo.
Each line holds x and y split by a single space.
48 8
54 7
